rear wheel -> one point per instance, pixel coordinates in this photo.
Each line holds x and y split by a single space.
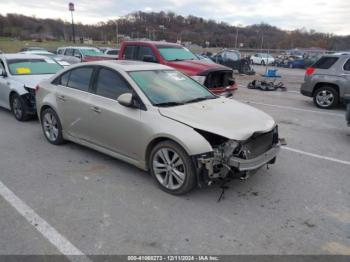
326 97
172 168
19 108
52 127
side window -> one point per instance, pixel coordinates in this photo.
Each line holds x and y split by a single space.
80 78
110 84
62 80
347 65
2 65
145 51
112 52
76 53
69 52
325 62
129 52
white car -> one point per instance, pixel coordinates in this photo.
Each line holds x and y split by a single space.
47 54
262 59
157 119
19 76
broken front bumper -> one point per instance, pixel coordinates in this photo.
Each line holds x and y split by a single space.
255 163
235 164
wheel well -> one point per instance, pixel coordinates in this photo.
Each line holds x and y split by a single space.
10 97
318 85
43 108
153 143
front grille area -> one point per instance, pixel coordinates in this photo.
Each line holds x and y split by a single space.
218 79
260 143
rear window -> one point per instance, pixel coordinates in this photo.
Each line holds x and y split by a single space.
325 62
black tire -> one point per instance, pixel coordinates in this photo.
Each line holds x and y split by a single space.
189 182
328 89
55 140
19 108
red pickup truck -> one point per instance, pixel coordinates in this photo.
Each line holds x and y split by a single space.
217 78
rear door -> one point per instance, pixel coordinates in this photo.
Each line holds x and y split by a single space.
73 99
346 86
114 126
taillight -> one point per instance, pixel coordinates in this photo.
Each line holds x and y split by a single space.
37 88
310 71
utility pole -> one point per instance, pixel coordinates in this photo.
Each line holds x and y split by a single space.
236 42
71 9
117 31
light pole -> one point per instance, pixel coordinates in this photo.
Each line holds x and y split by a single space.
117 31
71 9
236 42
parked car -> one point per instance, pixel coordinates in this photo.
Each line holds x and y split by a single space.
204 58
47 54
77 54
328 81
233 59
113 52
157 119
290 61
32 48
219 79
19 76
348 114
262 59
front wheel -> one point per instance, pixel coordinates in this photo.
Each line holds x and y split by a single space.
19 108
326 97
172 168
52 127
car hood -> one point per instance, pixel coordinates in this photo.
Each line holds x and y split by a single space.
31 81
222 116
196 67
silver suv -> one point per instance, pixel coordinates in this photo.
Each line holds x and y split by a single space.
328 81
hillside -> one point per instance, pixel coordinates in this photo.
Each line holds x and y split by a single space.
172 27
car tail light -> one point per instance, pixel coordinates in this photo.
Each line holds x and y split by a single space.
310 71
37 88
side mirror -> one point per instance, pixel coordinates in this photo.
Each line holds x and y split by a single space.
3 72
149 58
126 100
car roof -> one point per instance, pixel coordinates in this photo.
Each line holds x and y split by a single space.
153 43
22 56
128 65
78 47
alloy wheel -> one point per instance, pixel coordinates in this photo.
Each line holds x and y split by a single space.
325 98
169 168
17 108
50 125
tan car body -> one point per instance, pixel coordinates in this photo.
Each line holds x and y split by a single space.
129 133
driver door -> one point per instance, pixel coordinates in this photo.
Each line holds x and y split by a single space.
114 126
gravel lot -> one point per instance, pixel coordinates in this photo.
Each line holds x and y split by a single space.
99 205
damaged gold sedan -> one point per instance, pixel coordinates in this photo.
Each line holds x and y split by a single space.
157 119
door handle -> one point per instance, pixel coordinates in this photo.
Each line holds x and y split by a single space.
96 109
61 97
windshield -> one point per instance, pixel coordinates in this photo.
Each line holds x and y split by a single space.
169 87
176 53
91 52
33 66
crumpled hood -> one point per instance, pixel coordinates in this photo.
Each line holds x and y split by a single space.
31 81
222 116
196 67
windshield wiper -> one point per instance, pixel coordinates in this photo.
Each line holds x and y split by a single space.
166 104
198 99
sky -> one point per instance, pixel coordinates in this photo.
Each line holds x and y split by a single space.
328 16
